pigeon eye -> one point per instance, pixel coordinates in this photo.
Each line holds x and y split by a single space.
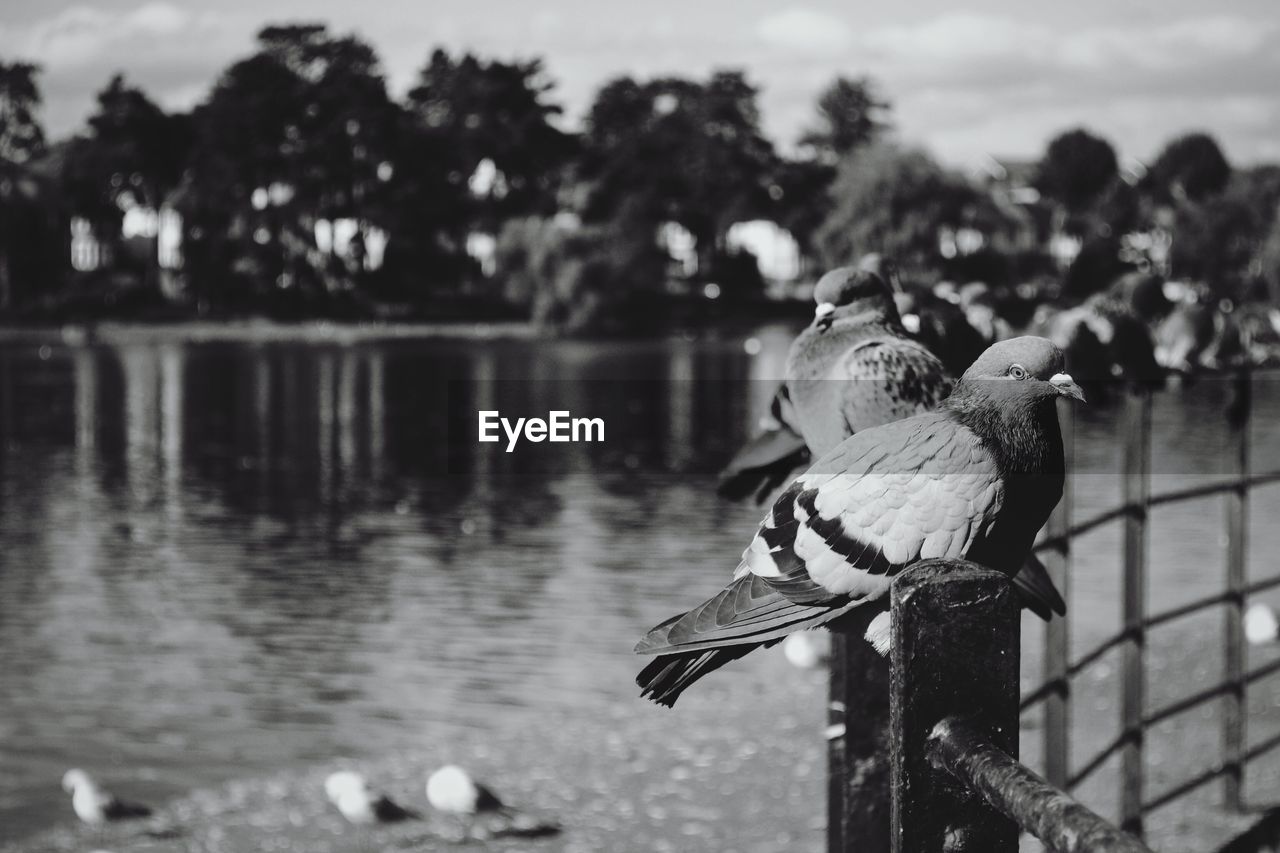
1018 372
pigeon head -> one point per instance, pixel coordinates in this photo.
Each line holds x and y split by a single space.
75 778
1028 368
846 290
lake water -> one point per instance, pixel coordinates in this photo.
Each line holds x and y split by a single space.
222 559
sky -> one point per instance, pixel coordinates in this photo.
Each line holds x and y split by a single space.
993 77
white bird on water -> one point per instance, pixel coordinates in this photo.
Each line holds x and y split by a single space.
350 793
96 806
1260 625
452 790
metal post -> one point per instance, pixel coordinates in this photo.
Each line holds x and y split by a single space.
1136 486
1234 702
858 802
1057 637
955 654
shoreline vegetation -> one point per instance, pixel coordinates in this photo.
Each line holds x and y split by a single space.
299 187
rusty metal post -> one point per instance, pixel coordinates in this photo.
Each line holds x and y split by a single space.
1064 825
955 654
1234 703
1137 490
858 801
1057 634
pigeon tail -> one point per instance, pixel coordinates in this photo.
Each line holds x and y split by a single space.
762 465
667 676
1036 590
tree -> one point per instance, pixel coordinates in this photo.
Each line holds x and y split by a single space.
895 201
1076 170
678 150
132 156
499 119
301 131
1221 240
850 114
21 140
1190 168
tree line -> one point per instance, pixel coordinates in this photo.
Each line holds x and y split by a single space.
303 134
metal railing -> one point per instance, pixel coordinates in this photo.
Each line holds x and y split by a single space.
954 707
956 782
1131 640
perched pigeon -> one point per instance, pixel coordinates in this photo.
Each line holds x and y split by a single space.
350 793
975 479
854 368
95 806
847 316
452 790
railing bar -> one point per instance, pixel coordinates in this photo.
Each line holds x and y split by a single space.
1233 663
1187 609
1260 749
1097 761
1137 491
1182 790
1084 527
1214 488
1186 704
1057 636
1098 651
1039 693
1261 586
1056 542
1262 672
1015 792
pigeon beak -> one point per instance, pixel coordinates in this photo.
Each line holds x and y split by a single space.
1066 386
823 309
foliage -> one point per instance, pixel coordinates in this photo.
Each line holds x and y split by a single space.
21 136
1077 169
596 279
895 201
21 141
677 150
851 114
1190 168
497 112
1220 241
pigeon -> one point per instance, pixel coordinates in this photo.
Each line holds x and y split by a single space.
348 791
95 806
976 479
844 317
452 790
855 367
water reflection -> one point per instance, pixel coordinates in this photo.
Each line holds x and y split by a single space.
220 558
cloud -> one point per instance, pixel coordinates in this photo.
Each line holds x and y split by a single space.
805 30
173 53
969 83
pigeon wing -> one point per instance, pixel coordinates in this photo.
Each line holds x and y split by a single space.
911 490
887 379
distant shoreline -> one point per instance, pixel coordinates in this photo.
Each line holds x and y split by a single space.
261 331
